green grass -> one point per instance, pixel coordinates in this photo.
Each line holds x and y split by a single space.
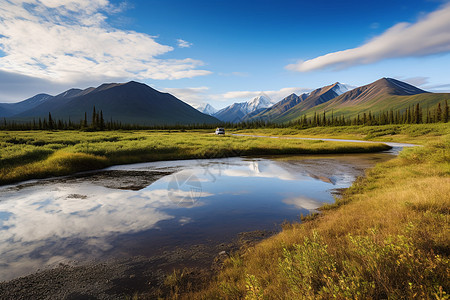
39 154
387 237
412 133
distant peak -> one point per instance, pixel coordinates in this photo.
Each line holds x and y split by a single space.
384 80
339 88
397 87
135 83
261 98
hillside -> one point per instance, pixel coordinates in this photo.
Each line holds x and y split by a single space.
321 95
10 109
132 103
382 95
316 97
277 109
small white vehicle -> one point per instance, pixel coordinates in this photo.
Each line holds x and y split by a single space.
220 130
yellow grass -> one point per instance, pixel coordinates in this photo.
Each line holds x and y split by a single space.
388 237
28 155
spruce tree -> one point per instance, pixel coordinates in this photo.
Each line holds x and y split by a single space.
50 121
417 114
438 113
445 113
102 121
85 120
94 119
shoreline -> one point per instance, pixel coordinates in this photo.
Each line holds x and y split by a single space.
119 278
173 146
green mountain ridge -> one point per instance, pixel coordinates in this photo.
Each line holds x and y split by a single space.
380 96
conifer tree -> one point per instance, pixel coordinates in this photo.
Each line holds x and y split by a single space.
94 119
102 121
50 121
445 117
85 120
417 114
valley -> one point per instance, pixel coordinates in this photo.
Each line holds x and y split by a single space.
314 152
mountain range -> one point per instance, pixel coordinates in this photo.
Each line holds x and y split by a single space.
137 103
131 103
382 95
294 104
236 112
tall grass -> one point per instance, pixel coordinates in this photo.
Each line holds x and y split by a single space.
387 238
418 133
26 155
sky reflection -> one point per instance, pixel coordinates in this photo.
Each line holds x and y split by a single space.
83 218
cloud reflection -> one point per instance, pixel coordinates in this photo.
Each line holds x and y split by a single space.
73 222
303 203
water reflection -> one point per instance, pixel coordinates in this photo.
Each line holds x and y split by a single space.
138 209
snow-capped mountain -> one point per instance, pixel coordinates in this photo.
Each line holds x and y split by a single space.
260 101
237 111
340 88
206 108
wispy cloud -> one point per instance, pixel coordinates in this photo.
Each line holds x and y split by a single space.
67 41
430 35
438 88
237 74
416 81
194 95
183 44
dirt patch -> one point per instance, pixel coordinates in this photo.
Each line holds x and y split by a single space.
122 180
121 278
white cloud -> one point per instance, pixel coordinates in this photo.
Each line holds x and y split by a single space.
194 95
67 41
430 35
274 95
183 43
303 203
92 220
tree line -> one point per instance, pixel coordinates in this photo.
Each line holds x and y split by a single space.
96 122
412 115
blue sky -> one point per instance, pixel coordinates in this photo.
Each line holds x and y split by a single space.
221 52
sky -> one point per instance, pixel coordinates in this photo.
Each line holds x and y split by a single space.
221 51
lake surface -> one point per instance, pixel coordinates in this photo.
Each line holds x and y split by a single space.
145 209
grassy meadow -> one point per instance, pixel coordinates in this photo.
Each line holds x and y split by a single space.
39 154
407 133
386 237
